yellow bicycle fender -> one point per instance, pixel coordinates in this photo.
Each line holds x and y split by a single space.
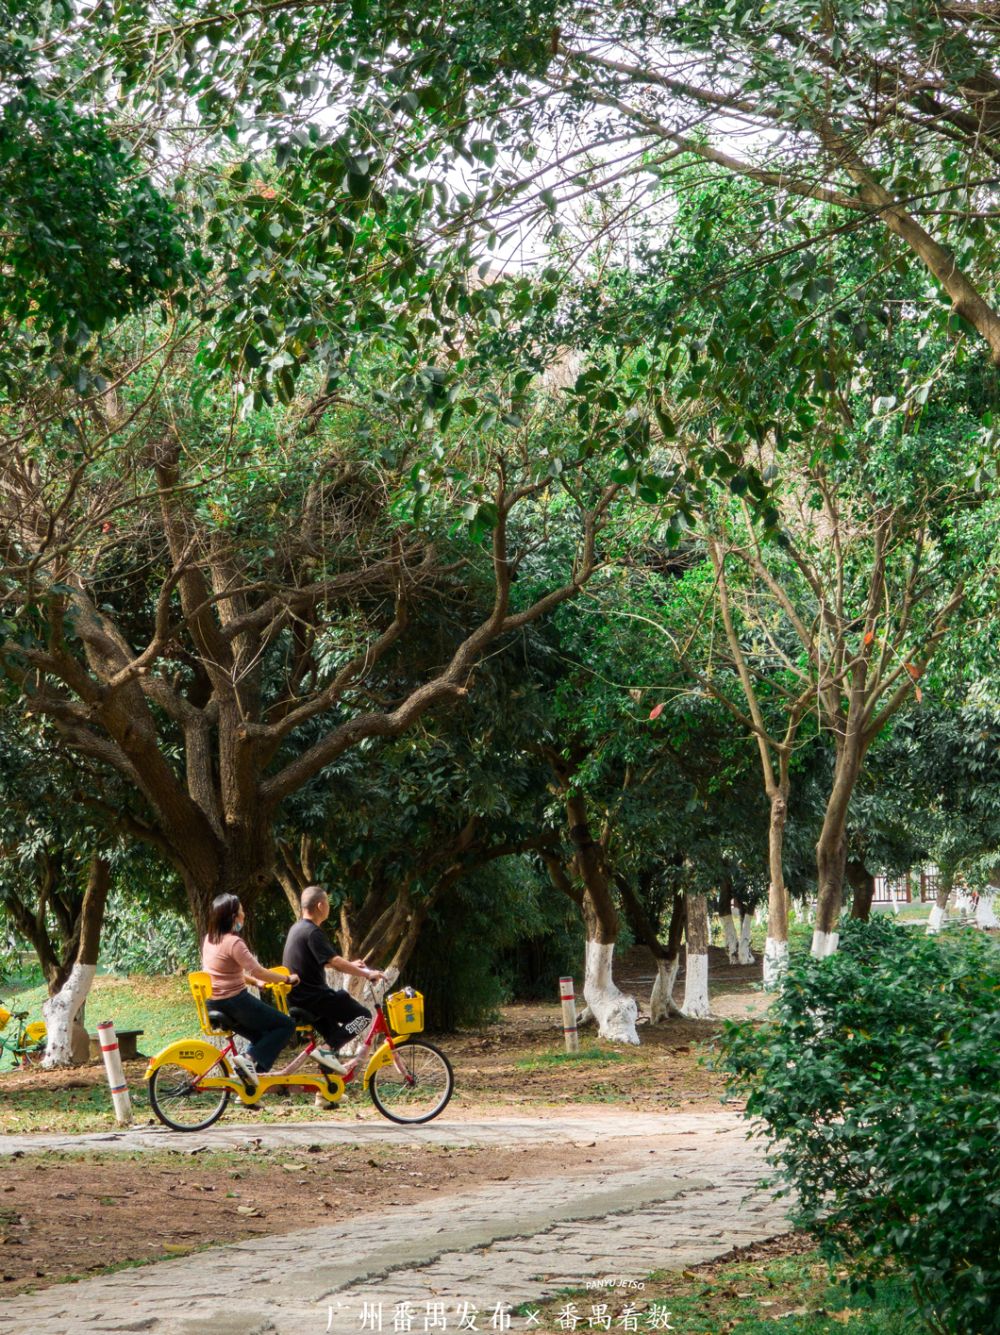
381 1057
194 1054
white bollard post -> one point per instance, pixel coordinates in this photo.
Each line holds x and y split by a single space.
116 1075
569 1015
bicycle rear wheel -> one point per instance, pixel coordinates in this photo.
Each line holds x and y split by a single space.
418 1092
179 1104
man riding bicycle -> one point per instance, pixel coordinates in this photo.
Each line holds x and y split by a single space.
307 953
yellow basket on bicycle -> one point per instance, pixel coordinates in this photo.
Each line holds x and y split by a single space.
406 1011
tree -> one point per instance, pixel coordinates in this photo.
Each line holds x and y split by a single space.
392 835
650 810
55 874
818 94
225 591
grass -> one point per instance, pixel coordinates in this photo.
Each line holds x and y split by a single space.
546 1060
161 1006
744 1298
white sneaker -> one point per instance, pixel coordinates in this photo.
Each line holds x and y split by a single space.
245 1069
329 1062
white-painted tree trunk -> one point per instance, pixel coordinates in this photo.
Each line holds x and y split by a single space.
985 914
59 1012
745 955
695 1005
938 918
661 1002
730 937
615 1012
775 961
824 944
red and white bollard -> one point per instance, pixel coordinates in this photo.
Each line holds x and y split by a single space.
569 1015
116 1075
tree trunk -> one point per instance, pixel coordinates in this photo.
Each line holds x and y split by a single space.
60 1010
986 917
696 1005
831 847
745 955
615 1012
891 890
730 935
776 945
831 858
939 912
32 924
862 882
661 1001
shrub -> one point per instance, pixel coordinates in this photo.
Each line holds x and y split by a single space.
876 1078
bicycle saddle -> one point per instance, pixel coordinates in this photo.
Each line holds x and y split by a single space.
301 1016
219 1021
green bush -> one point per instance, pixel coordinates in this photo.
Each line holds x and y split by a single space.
876 1076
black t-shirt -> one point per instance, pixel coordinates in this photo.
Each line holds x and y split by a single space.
306 952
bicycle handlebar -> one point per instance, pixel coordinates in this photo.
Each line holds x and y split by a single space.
377 989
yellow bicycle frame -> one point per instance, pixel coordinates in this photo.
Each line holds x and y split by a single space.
199 1057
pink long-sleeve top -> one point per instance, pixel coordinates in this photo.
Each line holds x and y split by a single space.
224 961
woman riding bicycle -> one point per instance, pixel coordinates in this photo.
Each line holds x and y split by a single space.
226 958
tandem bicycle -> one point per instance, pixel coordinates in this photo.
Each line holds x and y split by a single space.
409 1080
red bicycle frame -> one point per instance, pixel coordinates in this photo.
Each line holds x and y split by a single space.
378 1026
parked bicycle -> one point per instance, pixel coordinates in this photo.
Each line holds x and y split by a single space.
27 1043
409 1080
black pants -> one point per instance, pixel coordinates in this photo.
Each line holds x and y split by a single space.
338 1016
265 1026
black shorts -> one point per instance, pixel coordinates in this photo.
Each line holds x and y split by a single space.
338 1016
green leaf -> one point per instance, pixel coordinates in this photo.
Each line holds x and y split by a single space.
359 187
665 422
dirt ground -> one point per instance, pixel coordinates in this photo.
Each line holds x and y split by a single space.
64 1215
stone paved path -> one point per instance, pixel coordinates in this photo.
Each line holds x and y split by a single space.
495 1131
506 1244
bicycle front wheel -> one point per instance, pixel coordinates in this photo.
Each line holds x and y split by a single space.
178 1102
420 1090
